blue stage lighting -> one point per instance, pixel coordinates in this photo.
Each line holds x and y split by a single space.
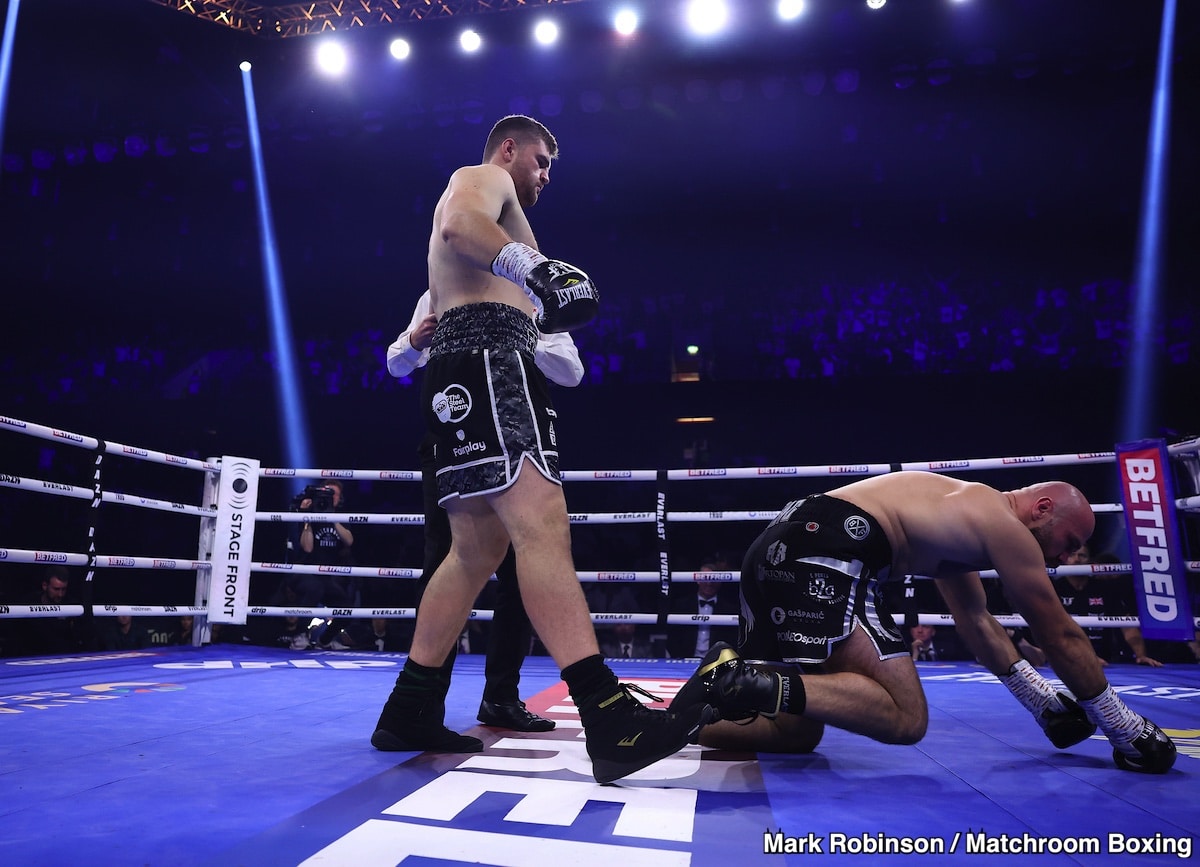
1141 383
6 49
293 419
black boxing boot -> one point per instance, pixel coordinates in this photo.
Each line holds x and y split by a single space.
413 717
421 728
1151 752
624 736
735 689
1064 722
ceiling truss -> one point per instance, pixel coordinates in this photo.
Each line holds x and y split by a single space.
284 20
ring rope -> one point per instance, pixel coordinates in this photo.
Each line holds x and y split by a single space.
208 512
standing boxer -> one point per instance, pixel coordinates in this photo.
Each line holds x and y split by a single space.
496 452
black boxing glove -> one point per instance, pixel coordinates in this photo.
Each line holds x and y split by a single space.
564 296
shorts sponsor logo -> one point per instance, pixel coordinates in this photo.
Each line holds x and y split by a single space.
780 576
780 615
812 526
452 405
475 446
798 637
776 552
857 527
820 589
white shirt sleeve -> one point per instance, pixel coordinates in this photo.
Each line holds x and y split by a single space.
558 358
402 359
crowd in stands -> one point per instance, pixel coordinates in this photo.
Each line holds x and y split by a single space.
920 327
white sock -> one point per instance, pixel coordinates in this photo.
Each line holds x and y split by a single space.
1031 689
1113 717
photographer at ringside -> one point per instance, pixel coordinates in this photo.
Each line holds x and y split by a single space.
318 543
326 544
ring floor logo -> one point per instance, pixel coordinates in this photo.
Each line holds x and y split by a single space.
529 799
43 700
129 687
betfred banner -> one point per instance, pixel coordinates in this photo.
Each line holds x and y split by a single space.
1159 570
233 540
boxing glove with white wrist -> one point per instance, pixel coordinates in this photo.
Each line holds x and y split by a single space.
564 296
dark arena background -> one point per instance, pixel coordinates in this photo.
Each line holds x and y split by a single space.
870 234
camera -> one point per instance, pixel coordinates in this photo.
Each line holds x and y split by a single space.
321 496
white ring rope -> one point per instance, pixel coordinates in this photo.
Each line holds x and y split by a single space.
16 555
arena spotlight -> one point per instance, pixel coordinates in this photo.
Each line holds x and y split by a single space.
625 22
289 396
546 33
244 66
400 49
876 4
1143 370
789 10
6 54
331 58
470 41
707 17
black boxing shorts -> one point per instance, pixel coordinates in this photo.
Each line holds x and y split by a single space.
486 404
810 577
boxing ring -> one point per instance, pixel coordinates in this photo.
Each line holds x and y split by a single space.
229 753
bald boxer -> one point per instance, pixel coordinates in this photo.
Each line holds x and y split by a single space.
488 408
811 601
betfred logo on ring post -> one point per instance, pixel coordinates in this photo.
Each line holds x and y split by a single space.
1159 578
